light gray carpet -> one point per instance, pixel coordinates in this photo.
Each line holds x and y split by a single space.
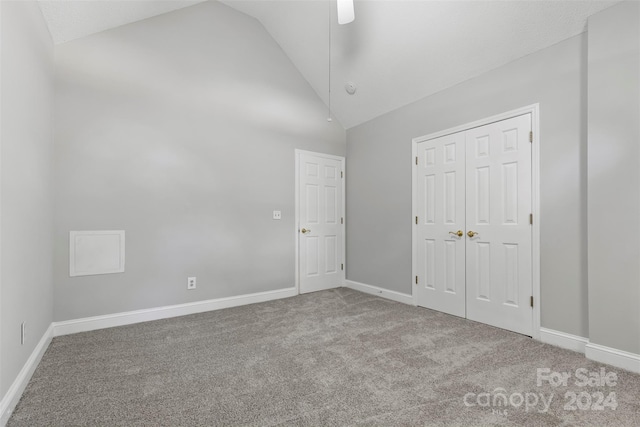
336 357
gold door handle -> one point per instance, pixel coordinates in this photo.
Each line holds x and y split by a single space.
458 233
471 233
305 231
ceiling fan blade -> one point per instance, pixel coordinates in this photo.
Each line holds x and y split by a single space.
346 13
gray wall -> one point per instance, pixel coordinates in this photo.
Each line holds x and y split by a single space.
181 130
614 177
26 212
379 175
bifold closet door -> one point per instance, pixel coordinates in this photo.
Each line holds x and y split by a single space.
440 224
498 240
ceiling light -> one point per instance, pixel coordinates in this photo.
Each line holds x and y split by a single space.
345 11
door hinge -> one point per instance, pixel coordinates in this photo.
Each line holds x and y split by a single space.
416 220
416 280
416 160
342 220
531 136
532 301
341 266
531 219
341 174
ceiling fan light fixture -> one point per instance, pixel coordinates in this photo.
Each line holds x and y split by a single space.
346 13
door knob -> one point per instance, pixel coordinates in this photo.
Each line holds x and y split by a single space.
471 233
458 233
305 231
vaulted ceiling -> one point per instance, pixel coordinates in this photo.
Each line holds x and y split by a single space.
395 52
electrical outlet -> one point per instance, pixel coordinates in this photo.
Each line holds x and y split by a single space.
23 332
277 215
191 282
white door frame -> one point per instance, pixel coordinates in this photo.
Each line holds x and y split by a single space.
534 110
342 161
1 373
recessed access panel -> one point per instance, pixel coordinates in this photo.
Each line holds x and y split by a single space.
96 252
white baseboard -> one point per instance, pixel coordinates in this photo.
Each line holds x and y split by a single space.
564 340
614 357
381 292
13 395
127 318
595 352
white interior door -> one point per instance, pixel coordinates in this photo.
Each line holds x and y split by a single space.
440 220
498 204
476 183
321 221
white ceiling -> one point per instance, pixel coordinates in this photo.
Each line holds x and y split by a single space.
396 51
70 19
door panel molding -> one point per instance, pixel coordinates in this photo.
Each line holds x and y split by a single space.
331 246
535 196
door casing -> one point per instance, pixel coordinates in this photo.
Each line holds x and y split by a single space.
535 198
342 161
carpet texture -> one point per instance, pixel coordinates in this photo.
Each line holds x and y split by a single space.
331 358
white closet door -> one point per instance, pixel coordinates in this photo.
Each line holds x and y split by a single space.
498 205
441 199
